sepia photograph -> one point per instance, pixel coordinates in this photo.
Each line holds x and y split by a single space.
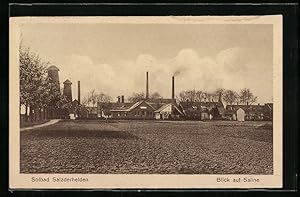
161 96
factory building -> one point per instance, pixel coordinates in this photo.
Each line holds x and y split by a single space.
144 109
169 109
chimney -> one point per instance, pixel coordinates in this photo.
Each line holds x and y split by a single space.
147 86
122 99
119 99
173 88
79 92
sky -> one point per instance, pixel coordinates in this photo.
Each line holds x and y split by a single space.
113 58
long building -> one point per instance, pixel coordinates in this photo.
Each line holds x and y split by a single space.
165 109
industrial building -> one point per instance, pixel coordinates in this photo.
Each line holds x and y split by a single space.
154 109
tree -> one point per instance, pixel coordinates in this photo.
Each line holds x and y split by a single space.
200 96
33 81
135 97
194 96
188 95
247 97
230 97
37 90
93 97
155 96
219 92
102 97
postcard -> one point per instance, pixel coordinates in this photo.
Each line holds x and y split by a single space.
145 102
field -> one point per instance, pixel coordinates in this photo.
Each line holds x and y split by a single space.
183 147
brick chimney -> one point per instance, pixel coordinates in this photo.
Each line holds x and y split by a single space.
147 86
173 87
79 92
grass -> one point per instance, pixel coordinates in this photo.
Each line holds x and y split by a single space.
183 147
24 124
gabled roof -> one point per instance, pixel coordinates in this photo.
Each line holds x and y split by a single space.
167 105
133 106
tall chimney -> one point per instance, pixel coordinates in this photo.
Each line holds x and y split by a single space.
79 92
147 86
122 99
173 88
119 99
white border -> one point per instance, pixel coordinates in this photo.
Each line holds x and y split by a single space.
119 181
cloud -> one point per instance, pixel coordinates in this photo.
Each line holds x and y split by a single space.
228 69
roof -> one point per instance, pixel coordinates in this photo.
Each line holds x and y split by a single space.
167 105
200 105
119 106
270 105
249 108
67 82
52 68
160 100
129 108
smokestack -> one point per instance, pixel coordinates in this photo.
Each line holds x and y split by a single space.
122 99
79 92
119 99
147 86
173 88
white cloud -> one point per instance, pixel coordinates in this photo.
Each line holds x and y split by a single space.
228 70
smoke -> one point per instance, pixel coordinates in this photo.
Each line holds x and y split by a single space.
177 72
230 69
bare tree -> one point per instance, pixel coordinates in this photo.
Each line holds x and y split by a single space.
155 96
93 97
219 92
247 97
135 97
230 97
102 97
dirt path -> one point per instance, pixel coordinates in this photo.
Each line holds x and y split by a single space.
41 125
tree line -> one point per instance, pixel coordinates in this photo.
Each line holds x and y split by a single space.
37 90
230 97
245 96
93 97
